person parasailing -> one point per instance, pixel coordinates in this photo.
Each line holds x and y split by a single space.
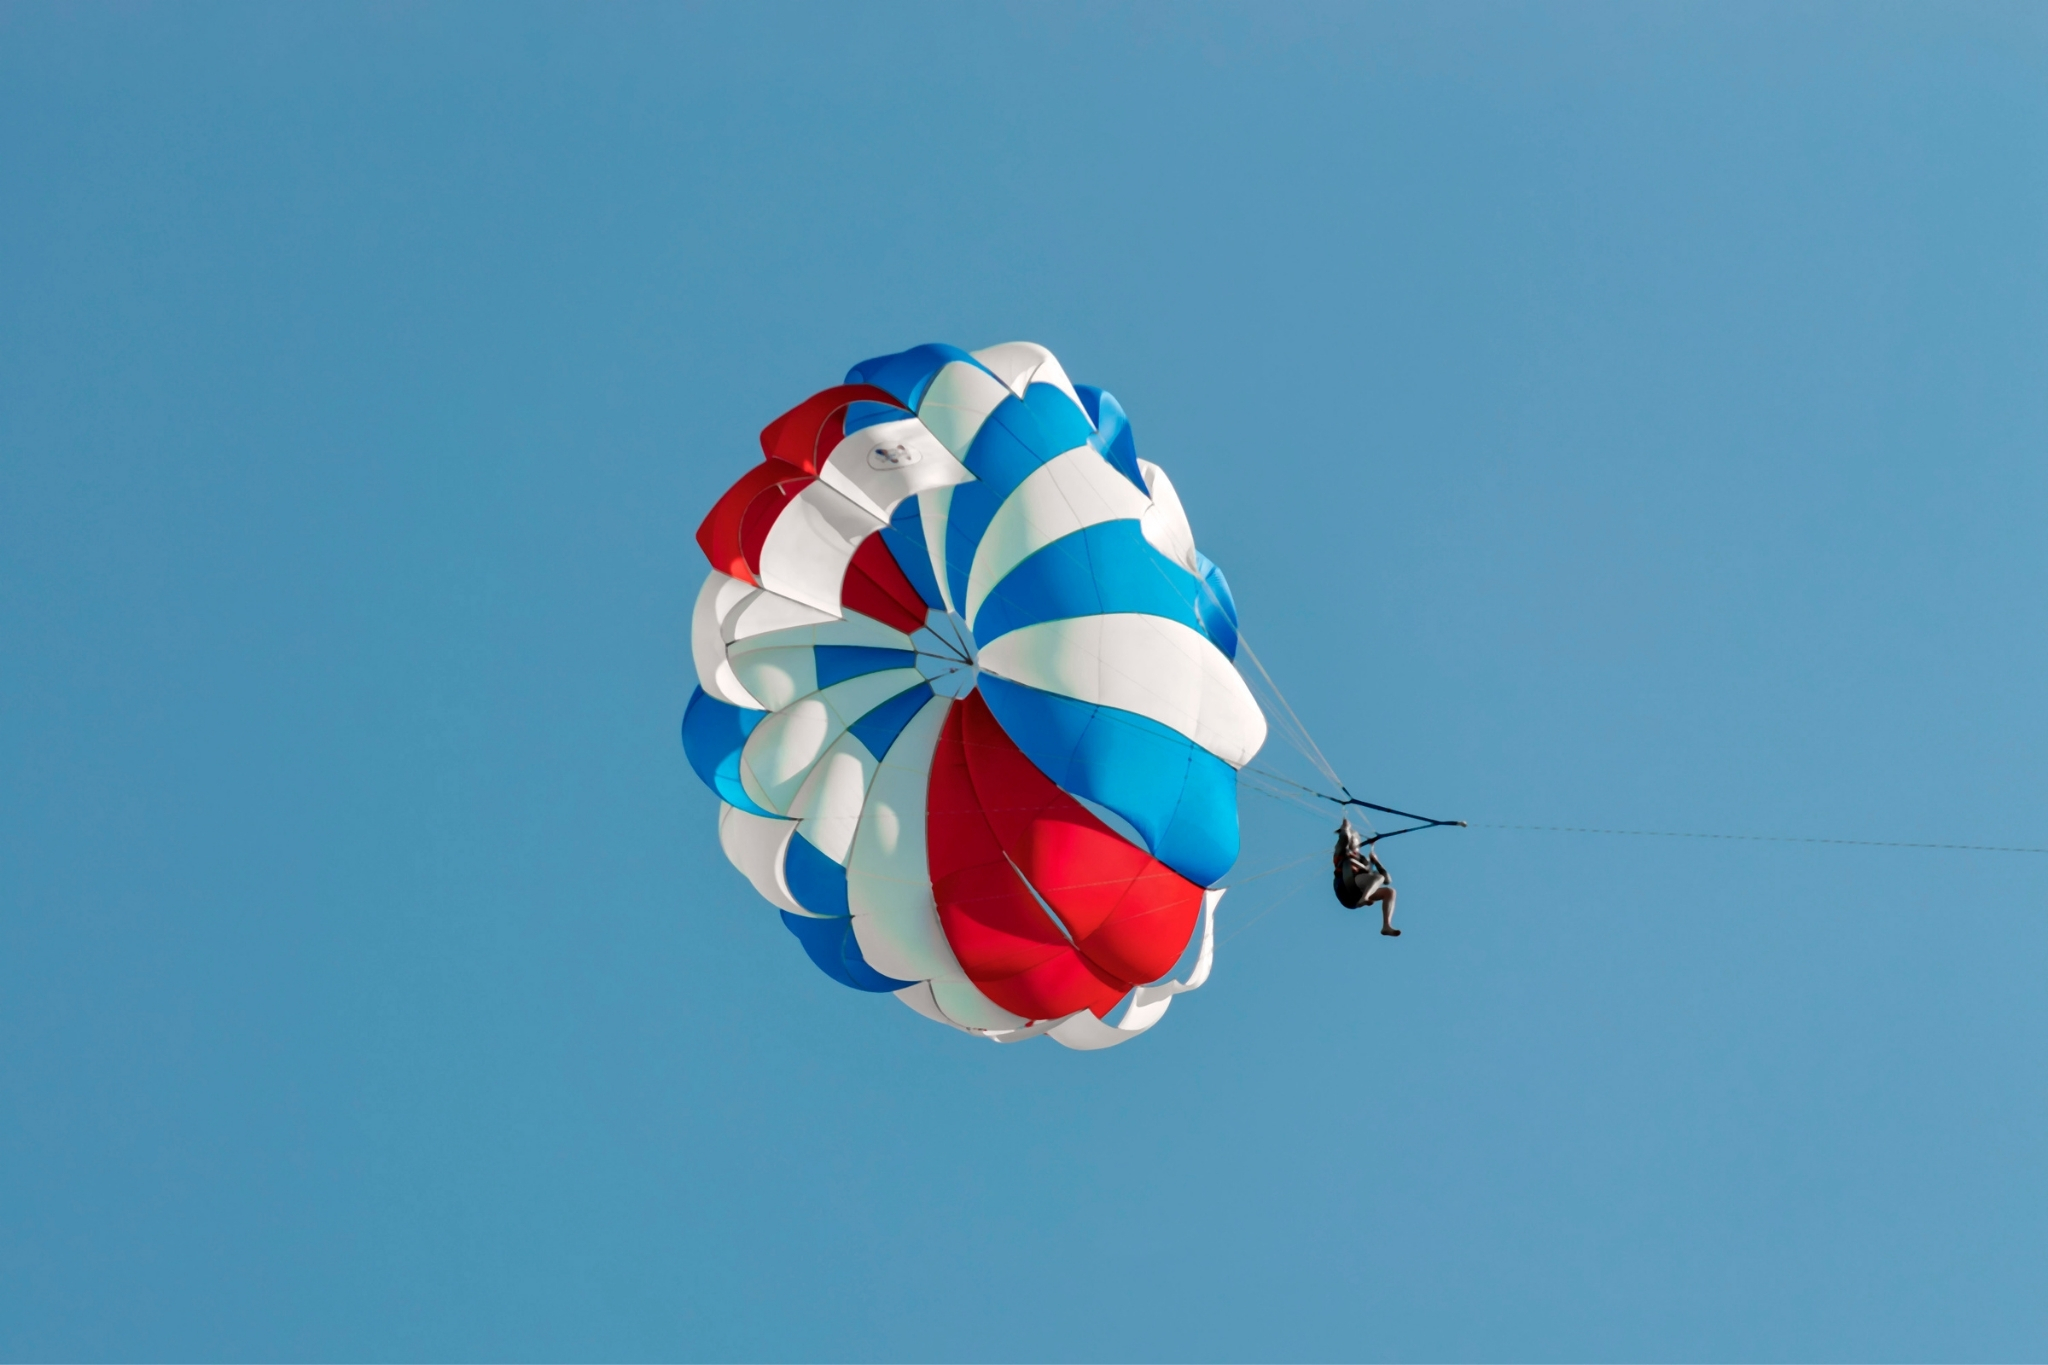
1361 878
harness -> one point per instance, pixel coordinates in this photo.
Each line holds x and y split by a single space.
1353 883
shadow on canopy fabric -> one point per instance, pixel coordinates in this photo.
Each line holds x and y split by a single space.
965 693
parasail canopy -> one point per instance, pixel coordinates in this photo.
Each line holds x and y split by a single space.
965 693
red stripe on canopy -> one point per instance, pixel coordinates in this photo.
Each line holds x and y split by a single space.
796 445
807 433
720 534
998 830
758 519
875 586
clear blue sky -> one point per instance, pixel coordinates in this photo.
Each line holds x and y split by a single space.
1607 416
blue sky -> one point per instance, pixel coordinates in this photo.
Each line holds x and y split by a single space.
1619 416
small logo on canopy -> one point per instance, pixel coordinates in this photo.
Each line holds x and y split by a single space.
898 456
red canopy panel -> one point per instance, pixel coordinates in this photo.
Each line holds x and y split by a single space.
875 586
808 432
721 535
998 829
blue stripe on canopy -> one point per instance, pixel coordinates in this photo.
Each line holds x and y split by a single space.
1112 433
879 728
904 535
837 663
831 944
1062 424
1218 607
1178 795
714 732
1018 437
1108 567
865 414
907 374
818 883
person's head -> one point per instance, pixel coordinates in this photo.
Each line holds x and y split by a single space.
1348 833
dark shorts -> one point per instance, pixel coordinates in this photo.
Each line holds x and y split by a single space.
1354 889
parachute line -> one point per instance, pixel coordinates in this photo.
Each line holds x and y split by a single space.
1271 871
1296 733
1275 904
1348 800
1769 838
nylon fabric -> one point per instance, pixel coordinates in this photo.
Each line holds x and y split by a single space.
828 805
829 942
1147 665
904 537
907 374
959 400
876 585
1020 364
1112 434
1166 523
879 466
1011 947
817 883
1066 494
1019 436
965 692
1218 609
715 734
719 595
779 754
754 844
1102 569
761 613
1086 1033
1178 795
806 551
1048 910
803 436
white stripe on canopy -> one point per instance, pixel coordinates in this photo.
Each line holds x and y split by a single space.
715 600
888 881
1020 364
1158 668
1061 496
812 541
779 754
1166 524
956 403
754 844
879 466
829 801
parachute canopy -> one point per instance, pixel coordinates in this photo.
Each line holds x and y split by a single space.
966 696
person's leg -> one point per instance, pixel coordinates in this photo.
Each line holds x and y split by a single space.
1385 896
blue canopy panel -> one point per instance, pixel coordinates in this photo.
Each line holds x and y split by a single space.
831 944
907 374
818 883
1107 567
904 535
837 663
863 414
1218 607
1178 795
1018 437
819 886
714 732
879 728
1112 433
